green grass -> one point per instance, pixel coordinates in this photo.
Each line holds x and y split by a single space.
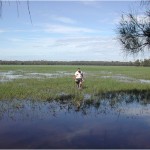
64 87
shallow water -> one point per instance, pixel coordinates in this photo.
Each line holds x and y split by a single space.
119 120
11 75
126 79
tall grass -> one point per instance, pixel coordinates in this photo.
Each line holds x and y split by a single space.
65 87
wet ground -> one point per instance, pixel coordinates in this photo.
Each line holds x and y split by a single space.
11 75
112 120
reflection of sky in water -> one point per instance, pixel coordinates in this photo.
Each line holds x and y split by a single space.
105 123
11 75
123 78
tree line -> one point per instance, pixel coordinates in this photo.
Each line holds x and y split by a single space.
145 62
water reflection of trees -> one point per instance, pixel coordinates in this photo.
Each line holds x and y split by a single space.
104 104
141 96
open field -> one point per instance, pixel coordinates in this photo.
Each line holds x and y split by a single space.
56 82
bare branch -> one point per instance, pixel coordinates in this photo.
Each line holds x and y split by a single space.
1 5
29 10
17 4
145 2
134 34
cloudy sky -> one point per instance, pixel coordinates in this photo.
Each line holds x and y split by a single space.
63 30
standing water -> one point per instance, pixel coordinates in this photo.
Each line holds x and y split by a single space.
114 120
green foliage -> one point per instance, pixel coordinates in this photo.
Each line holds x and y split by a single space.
144 63
98 79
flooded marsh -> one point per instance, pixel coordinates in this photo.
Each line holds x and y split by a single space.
46 82
114 120
126 74
40 107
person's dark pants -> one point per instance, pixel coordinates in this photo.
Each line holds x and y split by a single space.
78 81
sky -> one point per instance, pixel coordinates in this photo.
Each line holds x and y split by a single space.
64 30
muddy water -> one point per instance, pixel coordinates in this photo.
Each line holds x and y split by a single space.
120 120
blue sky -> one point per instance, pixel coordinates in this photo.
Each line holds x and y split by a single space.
63 30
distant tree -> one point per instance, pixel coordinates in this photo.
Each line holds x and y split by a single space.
137 63
146 62
134 33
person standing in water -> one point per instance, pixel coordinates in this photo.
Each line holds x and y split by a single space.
79 78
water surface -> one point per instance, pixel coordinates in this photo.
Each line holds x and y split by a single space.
11 75
120 120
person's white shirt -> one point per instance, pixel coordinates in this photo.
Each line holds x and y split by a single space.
78 75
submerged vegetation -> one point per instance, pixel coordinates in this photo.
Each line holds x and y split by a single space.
56 82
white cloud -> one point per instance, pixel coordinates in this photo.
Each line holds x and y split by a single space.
81 48
2 31
19 30
17 40
93 3
63 19
143 18
64 29
66 48
55 28
140 19
89 2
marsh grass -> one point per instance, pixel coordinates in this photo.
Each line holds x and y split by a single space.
64 87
